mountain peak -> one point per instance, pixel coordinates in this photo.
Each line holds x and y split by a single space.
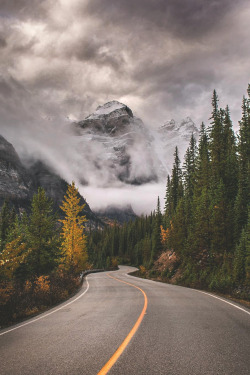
109 109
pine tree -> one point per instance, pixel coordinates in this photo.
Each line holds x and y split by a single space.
168 208
156 236
189 168
7 220
243 195
247 263
41 236
176 187
216 141
73 237
230 178
202 172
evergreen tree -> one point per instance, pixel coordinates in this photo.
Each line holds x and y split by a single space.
176 187
189 168
7 220
202 172
156 237
42 236
216 141
243 195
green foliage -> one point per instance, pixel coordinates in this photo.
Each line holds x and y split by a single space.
32 265
42 236
7 220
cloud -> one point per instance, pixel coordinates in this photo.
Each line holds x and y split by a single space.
161 58
186 19
143 199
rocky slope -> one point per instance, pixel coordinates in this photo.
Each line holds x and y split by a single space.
18 184
128 150
111 214
170 135
15 182
124 144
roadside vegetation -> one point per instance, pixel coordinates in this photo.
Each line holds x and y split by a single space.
41 257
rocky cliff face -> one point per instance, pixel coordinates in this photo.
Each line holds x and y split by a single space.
128 150
170 135
18 184
123 141
15 181
56 187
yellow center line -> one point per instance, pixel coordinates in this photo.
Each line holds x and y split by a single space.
125 343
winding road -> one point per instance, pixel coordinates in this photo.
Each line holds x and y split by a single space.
124 325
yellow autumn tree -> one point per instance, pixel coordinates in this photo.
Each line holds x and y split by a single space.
12 257
73 237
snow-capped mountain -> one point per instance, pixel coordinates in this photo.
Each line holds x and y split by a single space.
170 135
119 145
122 148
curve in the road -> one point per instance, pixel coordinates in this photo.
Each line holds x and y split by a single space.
125 343
229 303
45 315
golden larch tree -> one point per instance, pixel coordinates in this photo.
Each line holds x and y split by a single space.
73 237
14 254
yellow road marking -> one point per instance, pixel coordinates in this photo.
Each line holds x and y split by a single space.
125 343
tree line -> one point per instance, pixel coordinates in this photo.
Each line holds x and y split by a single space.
41 256
206 217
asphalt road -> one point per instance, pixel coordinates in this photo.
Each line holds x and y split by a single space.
183 331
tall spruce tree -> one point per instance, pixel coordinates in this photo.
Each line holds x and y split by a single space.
42 236
176 187
7 220
243 195
156 236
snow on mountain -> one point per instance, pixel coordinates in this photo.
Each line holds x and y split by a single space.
119 148
125 149
173 134
114 107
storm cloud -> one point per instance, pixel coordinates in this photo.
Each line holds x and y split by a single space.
61 59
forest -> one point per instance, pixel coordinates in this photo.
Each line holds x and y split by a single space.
203 231
205 224
41 255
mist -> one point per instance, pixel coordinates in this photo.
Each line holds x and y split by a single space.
143 199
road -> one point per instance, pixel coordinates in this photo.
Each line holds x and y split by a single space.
183 331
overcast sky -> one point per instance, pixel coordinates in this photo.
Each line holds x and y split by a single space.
163 58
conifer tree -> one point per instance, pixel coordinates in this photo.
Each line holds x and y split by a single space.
189 168
216 141
176 189
42 236
202 172
156 236
243 195
73 237
7 220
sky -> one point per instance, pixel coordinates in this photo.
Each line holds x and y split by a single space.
60 59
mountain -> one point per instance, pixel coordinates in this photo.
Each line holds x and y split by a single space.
120 214
18 183
128 150
15 182
170 135
123 143
111 148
